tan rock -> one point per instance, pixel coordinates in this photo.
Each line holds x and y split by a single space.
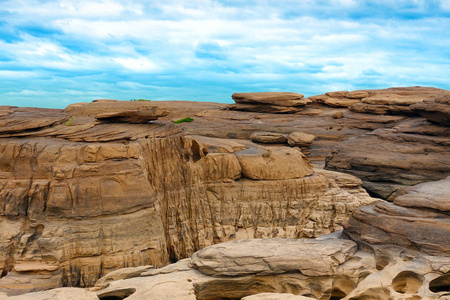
336 102
395 99
67 293
338 115
276 296
265 108
434 195
271 98
338 94
300 139
268 137
357 94
133 116
273 256
274 163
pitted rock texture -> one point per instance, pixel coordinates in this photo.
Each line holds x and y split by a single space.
81 199
372 272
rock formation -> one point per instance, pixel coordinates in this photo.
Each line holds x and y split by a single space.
113 189
74 190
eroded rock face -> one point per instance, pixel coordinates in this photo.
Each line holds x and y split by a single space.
418 220
390 160
74 195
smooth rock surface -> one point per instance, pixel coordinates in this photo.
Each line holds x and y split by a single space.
268 137
273 256
300 139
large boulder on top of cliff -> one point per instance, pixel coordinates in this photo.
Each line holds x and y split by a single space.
436 110
18 119
133 116
272 98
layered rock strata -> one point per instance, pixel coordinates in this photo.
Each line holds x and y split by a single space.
269 102
74 194
390 160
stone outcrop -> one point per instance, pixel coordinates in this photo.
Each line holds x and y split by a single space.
436 110
300 139
389 160
269 102
82 197
395 101
73 195
268 138
418 220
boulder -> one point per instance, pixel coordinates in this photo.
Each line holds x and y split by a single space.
271 98
276 296
300 139
265 108
268 138
273 256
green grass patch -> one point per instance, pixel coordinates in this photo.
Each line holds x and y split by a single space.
187 119
69 123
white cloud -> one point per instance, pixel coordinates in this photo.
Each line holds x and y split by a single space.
141 64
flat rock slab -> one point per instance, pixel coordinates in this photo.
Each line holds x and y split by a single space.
268 137
276 296
272 98
300 139
273 256
265 108
434 195
436 110
26 119
133 116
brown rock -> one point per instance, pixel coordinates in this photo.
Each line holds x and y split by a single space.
300 139
268 137
436 110
271 98
389 160
276 296
357 95
274 163
133 116
336 102
395 99
338 115
338 94
264 108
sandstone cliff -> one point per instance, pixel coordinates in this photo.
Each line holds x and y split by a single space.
84 194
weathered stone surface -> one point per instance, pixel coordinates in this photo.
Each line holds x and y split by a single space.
57 294
389 160
357 94
338 94
276 296
268 137
273 256
434 195
272 98
274 163
73 196
133 116
418 220
340 101
300 139
16 119
265 108
436 110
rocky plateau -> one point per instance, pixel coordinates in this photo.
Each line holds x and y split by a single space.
344 195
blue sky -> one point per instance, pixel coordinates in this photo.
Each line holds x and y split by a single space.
53 53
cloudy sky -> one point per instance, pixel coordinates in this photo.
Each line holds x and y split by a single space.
57 52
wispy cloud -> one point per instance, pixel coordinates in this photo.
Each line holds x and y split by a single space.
53 53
